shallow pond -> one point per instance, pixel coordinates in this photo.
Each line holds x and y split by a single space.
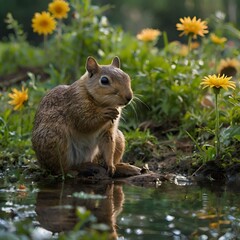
169 211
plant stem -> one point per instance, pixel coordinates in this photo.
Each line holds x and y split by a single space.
21 124
45 43
153 86
59 29
217 139
165 40
189 43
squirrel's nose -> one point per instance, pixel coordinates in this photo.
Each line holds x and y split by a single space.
128 98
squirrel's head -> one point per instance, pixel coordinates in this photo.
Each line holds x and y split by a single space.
108 85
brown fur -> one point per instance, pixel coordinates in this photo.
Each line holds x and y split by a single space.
79 123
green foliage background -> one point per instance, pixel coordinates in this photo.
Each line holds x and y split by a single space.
166 83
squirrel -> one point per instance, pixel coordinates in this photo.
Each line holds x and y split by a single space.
78 123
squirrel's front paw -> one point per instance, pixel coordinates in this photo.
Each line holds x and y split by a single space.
111 113
111 170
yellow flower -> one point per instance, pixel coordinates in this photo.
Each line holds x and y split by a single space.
43 23
148 35
228 67
59 8
215 39
192 27
18 98
217 81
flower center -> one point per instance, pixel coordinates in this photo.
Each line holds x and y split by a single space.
229 71
58 9
44 23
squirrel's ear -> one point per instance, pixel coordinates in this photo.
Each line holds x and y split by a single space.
116 62
92 66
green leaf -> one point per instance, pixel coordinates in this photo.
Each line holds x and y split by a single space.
237 137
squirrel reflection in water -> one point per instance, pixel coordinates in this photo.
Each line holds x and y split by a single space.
54 216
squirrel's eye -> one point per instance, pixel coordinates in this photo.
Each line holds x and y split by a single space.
104 80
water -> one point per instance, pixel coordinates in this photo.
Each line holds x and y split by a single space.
180 212
169 211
